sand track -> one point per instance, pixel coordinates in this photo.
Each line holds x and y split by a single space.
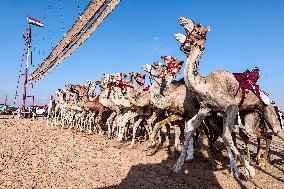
33 155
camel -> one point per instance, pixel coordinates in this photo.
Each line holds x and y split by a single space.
61 100
167 100
51 108
219 92
91 87
100 112
140 107
137 113
104 98
181 105
79 89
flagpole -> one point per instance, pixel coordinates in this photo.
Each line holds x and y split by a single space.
26 70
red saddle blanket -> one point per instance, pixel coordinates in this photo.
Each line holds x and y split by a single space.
247 81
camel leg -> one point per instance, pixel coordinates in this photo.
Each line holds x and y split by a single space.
125 119
257 157
189 151
97 121
246 140
252 124
191 126
90 122
177 137
135 126
166 129
147 130
229 119
122 121
271 118
109 124
159 125
206 148
266 155
152 120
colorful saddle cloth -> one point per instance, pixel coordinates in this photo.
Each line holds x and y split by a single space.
247 81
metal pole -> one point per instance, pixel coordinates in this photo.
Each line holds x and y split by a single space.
26 70
33 99
5 103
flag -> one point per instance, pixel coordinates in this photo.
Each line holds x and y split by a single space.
35 22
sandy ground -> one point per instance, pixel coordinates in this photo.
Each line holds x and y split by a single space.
37 156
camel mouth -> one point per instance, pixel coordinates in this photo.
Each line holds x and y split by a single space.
163 57
147 68
180 37
183 21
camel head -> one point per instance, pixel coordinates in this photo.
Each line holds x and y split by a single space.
196 35
158 70
68 86
174 64
173 67
139 78
61 94
193 29
104 81
108 80
51 97
188 43
89 82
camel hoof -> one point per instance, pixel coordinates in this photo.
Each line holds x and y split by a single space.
166 145
213 166
189 160
263 164
177 168
148 147
250 172
119 139
131 146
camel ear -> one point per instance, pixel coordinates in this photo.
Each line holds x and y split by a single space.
208 29
180 37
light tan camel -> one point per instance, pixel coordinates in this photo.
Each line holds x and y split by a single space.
219 91
104 99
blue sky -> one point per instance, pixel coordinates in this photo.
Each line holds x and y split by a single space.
243 34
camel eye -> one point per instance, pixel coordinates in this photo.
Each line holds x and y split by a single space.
198 25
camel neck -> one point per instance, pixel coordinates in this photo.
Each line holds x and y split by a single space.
191 71
139 88
155 94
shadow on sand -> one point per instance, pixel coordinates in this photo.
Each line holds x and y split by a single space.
196 174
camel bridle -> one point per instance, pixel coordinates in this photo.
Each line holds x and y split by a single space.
171 66
191 41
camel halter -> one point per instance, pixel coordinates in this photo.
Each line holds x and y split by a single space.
191 42
151 77
140 76
172 65
123 85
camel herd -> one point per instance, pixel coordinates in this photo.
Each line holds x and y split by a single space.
214 106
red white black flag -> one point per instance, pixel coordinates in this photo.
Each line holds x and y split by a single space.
33 21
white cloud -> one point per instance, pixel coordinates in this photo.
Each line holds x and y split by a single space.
157 38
